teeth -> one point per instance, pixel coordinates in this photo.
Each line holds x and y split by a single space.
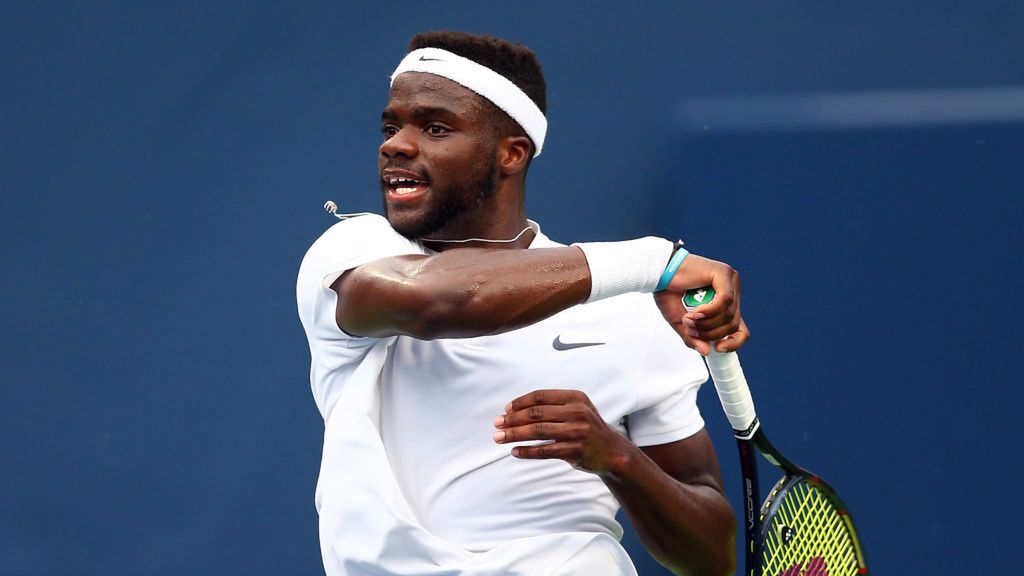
393 180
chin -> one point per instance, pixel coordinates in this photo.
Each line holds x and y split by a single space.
405 223
427 215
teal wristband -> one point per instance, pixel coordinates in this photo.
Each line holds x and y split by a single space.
670 270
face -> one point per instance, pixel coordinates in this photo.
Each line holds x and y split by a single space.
437 163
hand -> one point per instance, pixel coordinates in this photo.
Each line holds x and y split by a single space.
719 319
566 417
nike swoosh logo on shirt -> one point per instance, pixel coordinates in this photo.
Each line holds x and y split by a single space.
425 59
557 344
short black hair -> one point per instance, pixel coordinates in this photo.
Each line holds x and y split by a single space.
513 61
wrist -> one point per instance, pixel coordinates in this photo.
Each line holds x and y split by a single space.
674 263
621 267
621 463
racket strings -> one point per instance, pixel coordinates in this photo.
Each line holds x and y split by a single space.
818 542
823 523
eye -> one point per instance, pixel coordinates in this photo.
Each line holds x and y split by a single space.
437 129
388 130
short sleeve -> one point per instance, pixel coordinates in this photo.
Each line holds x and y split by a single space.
669 377
346 245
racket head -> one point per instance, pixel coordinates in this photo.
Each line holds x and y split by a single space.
805 529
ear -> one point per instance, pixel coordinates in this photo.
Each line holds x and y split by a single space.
514 154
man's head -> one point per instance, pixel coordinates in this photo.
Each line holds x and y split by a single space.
449 152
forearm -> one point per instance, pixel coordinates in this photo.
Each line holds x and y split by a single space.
467 292
687 527
461 293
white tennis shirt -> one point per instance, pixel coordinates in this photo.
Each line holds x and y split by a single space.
411 481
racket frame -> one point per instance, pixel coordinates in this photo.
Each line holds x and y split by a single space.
757 517
734 393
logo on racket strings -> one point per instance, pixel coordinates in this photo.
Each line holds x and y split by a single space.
786 534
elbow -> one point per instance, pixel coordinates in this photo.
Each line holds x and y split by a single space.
437 312
717 560
726 565
408 297
402 300
421 319
425 308
444 305
715 555
721 559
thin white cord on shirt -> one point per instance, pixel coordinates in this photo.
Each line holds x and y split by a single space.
331 208
513 239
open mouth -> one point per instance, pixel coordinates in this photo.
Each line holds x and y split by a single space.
404 187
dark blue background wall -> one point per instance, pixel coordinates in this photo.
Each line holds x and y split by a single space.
162 169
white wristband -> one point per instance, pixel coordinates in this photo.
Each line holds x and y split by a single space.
622 267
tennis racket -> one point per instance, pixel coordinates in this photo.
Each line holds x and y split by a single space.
802 528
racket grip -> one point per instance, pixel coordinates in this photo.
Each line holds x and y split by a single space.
727 374
733 392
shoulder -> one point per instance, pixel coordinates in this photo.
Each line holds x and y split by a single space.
348 244
358 229
368 234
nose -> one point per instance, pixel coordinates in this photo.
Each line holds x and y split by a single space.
401 143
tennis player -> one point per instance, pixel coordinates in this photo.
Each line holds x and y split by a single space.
492 397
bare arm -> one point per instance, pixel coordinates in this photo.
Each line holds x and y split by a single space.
673 495
672 492
469 292
463 292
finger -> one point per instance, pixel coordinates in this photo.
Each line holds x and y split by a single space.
672 310
719 327
538 397
728 283
541 413
720 310
568 451
701 346
734 341
704 325
725 281
720 332
538 431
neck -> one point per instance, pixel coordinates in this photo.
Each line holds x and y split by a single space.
506 236
497 224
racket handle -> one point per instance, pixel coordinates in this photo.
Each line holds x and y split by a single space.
731 384
727 374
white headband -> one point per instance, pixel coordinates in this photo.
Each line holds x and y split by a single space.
485 82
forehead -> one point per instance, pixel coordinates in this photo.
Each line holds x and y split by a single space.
413 90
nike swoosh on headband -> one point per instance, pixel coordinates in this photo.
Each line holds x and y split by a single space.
557 344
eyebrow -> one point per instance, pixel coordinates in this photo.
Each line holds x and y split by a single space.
420 112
